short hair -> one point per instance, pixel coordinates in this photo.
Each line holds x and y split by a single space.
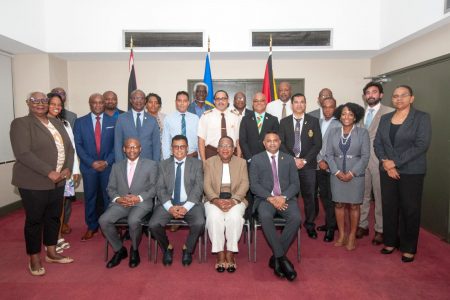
94 95
55 90
329 98
198 84
182 93
410 91
180 137
297 95
225 137
135 92
115 95
220 91
356 109
51 95
158 98
60 115
271 132
375 84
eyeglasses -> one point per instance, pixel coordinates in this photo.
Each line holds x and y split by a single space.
132 147
221 99
400 96
38 101
225 146
137 98
179 147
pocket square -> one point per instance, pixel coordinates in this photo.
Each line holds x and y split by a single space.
109 127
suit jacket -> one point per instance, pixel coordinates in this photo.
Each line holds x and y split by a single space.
248 112
149 136
315 113
261 179
36 154
357 155
412 141
143 183
69 117
250 140
334 123
238 176
193 180
311 139
85 142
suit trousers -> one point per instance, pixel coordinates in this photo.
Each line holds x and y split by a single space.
307 189
402 201
94 183
116 212
266 213
43 209
323 182
372 183
195 217
223 226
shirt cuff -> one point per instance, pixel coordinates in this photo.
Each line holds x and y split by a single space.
167 205
114 200
140 198
188 205
337 173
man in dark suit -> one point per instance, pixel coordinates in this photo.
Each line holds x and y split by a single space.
240 104
111 104
180 191
94 141
138 124
131 187
301 137
274 182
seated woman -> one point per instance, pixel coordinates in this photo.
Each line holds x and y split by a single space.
225 185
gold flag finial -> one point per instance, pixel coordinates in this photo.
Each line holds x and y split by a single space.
270 42
131 42
209 44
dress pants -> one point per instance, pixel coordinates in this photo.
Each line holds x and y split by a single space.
223 226
307 179
116 212
266 212
323 182
93 183
372 182
402 201
195 217
42 212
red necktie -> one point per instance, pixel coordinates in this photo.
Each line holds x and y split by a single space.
98 135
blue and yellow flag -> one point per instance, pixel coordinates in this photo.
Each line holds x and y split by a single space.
207 79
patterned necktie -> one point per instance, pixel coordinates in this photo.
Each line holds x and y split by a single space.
276 180
369 117
259 123
298 142
158 120
177 190
138 123
131 173
223 126
283 111
183 124
98 135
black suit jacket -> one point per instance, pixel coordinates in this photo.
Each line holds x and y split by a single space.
249 138
311 139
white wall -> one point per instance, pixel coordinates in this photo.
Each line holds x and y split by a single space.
8 192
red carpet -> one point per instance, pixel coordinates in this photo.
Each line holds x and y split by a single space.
325 272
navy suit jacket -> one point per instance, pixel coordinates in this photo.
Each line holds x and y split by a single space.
85 141
149 136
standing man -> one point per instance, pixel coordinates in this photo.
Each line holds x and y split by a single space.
274 182
180 122
131 188
138 124
281 108
111 104
94 141
199 105
301 137
66 114
324 93
323 171
180 192
217 123
240 104
372 94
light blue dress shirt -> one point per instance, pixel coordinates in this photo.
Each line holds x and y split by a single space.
172 127
94 120
183 196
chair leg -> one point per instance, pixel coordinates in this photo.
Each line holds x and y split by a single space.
248 242
106 249
200 240
255 229
298 245
149 246
205 240
156 252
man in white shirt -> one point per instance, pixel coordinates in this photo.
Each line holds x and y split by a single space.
281 108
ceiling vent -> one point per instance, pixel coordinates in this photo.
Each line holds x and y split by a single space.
145 39
310 38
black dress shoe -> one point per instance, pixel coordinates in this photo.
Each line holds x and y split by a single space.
117 257
287 268
272 262
168 257
186 258
312 233
135 259
407 259
277 268
329 236
387 251
322 228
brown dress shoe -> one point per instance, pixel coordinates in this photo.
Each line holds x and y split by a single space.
88 235
361 232
65 229
377 239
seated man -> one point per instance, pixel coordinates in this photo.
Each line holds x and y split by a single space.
275 184
132 187
226 184
180 190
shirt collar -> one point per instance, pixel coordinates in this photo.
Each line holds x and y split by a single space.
134 161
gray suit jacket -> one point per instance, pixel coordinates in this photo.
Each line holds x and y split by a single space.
315 113
193 180
143 184
357 156
261 179
334 123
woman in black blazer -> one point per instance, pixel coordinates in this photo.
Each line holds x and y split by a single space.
401 143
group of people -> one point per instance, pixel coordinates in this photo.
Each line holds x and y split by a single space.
215 166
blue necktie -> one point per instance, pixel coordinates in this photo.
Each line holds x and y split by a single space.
177 190
369 118
138 123
183 124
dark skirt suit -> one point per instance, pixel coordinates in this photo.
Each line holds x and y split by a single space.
36 156
402 198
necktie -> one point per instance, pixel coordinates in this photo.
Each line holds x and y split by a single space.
177 190
369 117
223 126
158 120
131 173
138 123
298 143
98 135
276 181
259 123
183 124
283 111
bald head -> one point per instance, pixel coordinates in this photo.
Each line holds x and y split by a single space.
284 91
259 103
324 94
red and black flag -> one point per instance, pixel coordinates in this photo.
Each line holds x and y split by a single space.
269 87
132 80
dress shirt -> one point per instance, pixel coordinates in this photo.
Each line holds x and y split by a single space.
325 124
209 126
276 163
183 196
375 108
116 114
301 122
199 110
142 112
128 172
94 120
275 108
172 127
226 179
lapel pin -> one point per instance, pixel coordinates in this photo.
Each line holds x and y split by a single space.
310 133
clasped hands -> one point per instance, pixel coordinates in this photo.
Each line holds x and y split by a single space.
224 204
389 167
177 211
279 202
128 200
59 176
300 163
345 177
99 165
